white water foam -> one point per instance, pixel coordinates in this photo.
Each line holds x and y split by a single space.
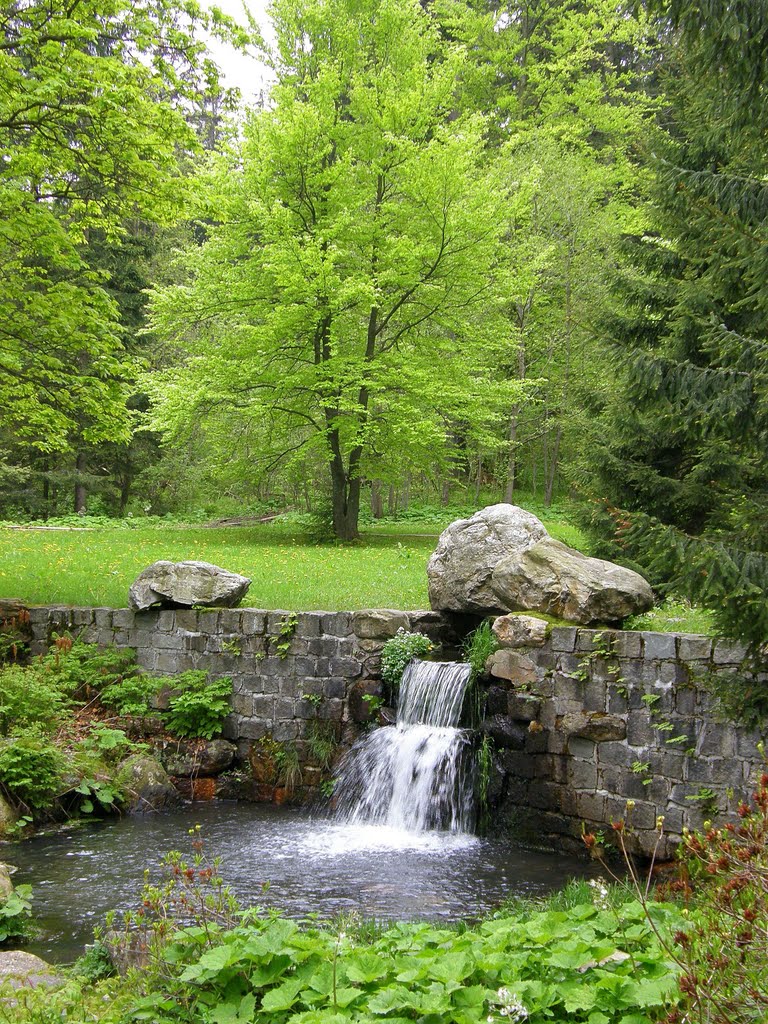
412 777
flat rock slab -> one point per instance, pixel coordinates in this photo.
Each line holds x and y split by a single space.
25 970
186 584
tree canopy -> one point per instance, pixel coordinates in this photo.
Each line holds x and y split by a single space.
345 303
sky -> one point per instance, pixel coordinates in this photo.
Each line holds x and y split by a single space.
239 70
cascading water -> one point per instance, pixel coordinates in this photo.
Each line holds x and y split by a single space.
412 775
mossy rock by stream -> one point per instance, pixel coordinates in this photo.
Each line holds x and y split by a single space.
146 784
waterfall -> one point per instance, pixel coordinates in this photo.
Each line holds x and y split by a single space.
412 775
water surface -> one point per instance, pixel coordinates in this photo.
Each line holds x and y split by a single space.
311 866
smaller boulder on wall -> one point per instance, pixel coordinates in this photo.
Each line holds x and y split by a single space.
184 584
502 559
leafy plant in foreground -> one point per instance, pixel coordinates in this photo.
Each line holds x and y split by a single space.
478 647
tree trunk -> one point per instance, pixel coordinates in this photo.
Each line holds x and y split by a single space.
392 500
377 500
81 492
346 503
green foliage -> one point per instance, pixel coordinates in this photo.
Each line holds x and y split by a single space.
554 966
95 964
15 914
680 476
288 766
391 310
322 743
197 707
484 770
478 647
133 695
31 768
285 632
674 615
397 652
722 954
74 171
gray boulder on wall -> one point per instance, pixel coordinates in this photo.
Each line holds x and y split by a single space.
184 584
502 559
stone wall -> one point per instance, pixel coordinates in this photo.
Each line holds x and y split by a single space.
294 675
584 720
581 720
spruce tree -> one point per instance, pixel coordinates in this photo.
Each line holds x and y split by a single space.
679 477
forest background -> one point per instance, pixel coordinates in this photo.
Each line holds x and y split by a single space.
459 253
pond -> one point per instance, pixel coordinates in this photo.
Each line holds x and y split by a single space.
310 865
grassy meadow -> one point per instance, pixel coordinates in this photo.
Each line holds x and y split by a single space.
95 564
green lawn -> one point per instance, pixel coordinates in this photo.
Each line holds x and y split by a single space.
96 567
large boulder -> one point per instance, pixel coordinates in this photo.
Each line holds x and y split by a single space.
189 758
184 584
553 578
460 572
20 970
502 559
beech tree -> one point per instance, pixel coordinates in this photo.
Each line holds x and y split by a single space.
344 306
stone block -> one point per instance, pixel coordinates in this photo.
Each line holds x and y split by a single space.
716 740
618 704
691 647
728 652
568 688
582 774
590 807
102 616
596 726
208 621
253 729
335 687
548 796
309 625
640 733
521 707
685 702
659 646
563 638
264 706
289 686
332 709
595 696
516 630
517 764
715 771
253 622
746 745
120 637
587 639
378 623
336 623
123 618
614 753
324 647
627 644
348 667
582 748
167 662
511 665
284 708
195 642
505 733
496 701
670 764
166 621
187 619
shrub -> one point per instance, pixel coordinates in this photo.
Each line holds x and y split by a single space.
31 768
28 697
396 654
132 695
198 707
